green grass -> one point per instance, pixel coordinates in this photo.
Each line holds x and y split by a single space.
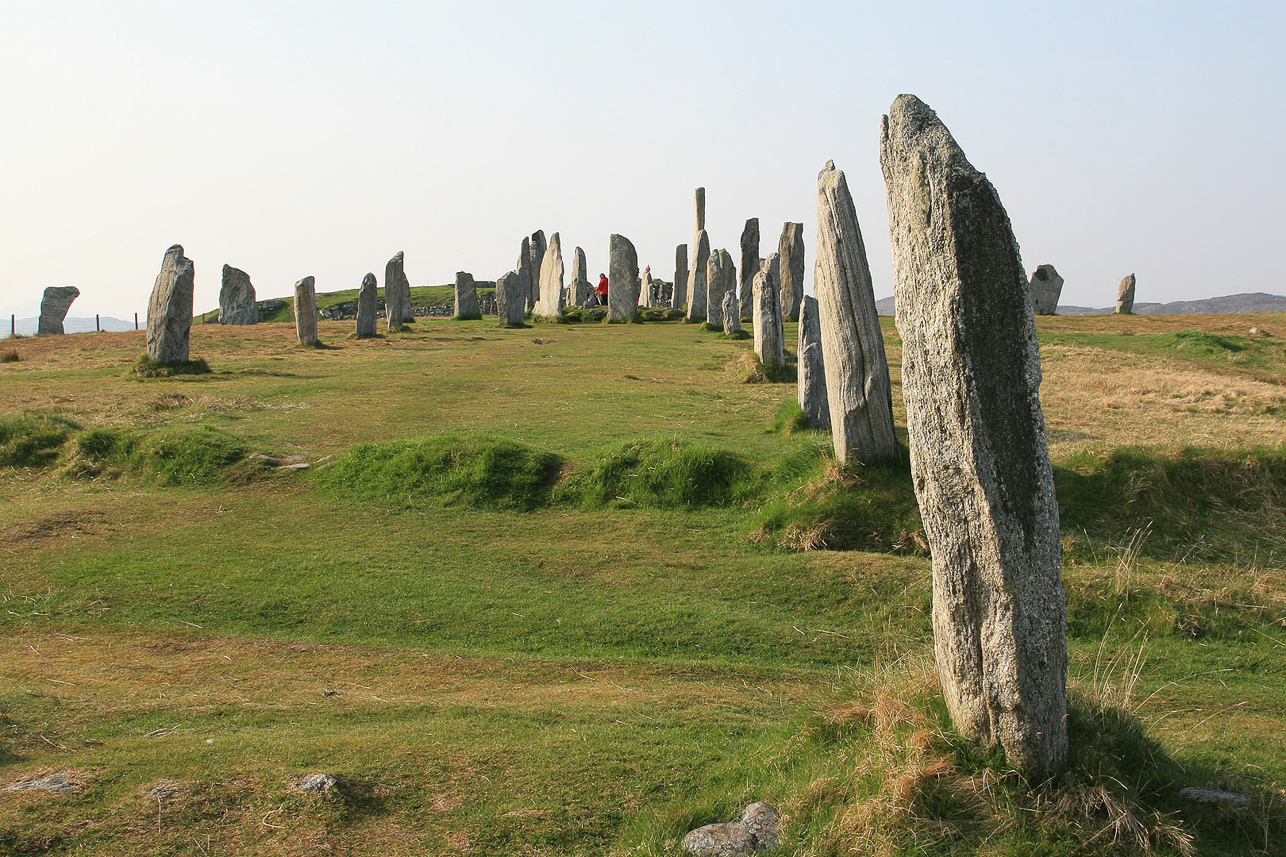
32 440
1236 354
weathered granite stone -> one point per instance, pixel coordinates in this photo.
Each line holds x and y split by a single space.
790 251
306 311
1125 295
971 383
623 280
1215 797
367 304
646 297
60 782
770 345
237 298
169 311
580 286
525 275
731 313
756 830
396 290
319 782
728 271
53 308
764 821
812 366
549 302
857 373
714 288
1045 287
466 296
750 261
511 299
700 200
538 249
680 296
697 276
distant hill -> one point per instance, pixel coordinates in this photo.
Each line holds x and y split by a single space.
1227 304
72 324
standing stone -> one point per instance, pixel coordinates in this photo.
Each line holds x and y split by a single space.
237 298
1125 296
714 289
971 381
750 261
525 275
397 293
511 299
729 273
1045 287
812 366
53 308
680 295
770 340
306 311
538 248
367 299
731 313
857 373
623 280
580 286
169 311
700 199
646 298
550 302
466 297
697 276
790 250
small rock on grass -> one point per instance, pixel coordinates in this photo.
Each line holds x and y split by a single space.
61 782
1216 797
755 830
318 782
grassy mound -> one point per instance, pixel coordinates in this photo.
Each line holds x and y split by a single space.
1201 343
456 470
659 474
172 456
146 367
32 440
790 417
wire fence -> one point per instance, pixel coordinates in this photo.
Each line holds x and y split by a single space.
73 324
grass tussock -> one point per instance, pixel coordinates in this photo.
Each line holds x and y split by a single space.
661 474
170 456
10 356
749 370
32 440
790 417
146 367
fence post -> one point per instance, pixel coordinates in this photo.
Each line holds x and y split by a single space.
13 325
98 327
136 321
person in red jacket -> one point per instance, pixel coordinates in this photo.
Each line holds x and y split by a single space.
602 289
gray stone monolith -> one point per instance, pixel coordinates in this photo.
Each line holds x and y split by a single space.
1045 287
646 298
466 297
680 295
623 280
549 304
525 271
699 199
971 382
306 311
1125 295
397 293
697 276
580 286
812 366
728 271
169 311
53 308
367 306
857 372
750 261
237 298
714 288
538 248
770 340
790 251
511 299
731 313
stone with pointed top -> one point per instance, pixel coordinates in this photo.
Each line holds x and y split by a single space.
750 261
770 340
169 311
1125 296
367 306
549 304
397 293
812 366
697 292
790 251
538 248
237 298
53 308
525 272
580 285
623 280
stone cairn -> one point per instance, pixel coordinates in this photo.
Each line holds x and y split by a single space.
537 248
1125 296
525 278
367 307
549 304
857 373
770 339
812 366
466 297
1045 287
306 311
54 305
237 298
971 382
511 299
169 311
578 291
731 313
790 250
396 290
679 297
697 292
623 280
750 261
714 289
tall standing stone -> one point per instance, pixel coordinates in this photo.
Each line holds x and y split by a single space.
680 294
367 304
731 313
306 311
579 291
237 298
538 248
466 297
169 311
770 340
700 200
550 302
812 366
857 372
623 280
697 276
511 299
397 292
714 289
750 261
971 382
1045 288
53 308
790 251
1125 295
525 271
646 297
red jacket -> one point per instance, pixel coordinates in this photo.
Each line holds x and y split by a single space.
602 286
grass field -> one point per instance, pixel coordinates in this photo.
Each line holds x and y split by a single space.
578 588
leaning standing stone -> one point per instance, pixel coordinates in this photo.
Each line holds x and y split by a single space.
697 276
714 289
537 248
397 290
306 311
623 280
466 297
731 313
580 279
367 299
53 308
770 345
169 311
237 298
857 373
1125 296
511 299
550 302
680 295
790 249
1045 288
750 261
971 382
812 366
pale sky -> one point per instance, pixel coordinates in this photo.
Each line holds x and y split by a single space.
320 138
